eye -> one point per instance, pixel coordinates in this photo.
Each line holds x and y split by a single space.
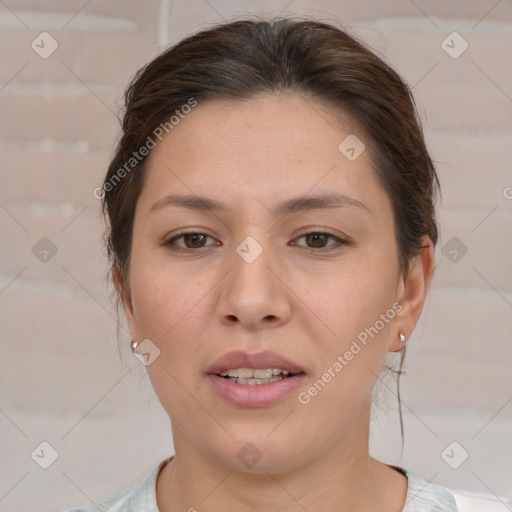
192 240
319 239
196 240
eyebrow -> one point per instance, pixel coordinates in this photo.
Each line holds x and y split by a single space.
294 205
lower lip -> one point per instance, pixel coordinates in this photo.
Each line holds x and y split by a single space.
258 395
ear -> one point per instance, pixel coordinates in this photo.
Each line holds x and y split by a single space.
126 300
412 292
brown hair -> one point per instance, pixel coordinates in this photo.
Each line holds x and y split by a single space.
239 59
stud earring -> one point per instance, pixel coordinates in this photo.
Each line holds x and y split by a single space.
133 345
402 338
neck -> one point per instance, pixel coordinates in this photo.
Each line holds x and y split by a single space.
342 477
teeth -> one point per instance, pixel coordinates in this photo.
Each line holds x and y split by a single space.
251 374
263 374
255 382
253 377
244 373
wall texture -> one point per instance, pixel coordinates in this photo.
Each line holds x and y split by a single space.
64 378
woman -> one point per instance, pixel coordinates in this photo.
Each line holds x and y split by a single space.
271 232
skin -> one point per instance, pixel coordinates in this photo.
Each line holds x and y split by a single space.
304 298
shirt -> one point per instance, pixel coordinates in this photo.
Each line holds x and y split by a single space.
141 497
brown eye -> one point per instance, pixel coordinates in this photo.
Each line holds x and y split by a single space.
318 240
194 239
191 240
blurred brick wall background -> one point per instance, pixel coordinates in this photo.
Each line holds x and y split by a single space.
65 381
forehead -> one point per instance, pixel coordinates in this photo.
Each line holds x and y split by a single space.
259 149
285 126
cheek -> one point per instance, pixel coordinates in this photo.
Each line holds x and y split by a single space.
172 309
167 310
356 297
357 310
161 296
149 298
351 357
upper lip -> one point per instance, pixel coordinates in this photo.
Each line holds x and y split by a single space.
241 359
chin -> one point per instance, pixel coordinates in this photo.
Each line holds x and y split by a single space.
259 454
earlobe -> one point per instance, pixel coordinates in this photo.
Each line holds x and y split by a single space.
396 346
412 292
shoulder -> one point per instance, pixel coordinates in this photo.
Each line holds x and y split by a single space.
426 497
110 504
472 502
141 496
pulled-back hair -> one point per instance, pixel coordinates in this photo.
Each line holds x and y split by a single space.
237 60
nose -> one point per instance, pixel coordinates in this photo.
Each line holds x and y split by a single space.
255 292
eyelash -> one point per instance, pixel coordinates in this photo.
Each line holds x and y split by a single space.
171 242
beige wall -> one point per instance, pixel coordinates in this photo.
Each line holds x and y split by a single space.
62 378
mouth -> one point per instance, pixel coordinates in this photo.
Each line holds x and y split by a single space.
254 380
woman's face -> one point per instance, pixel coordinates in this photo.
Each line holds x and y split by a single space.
253 280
